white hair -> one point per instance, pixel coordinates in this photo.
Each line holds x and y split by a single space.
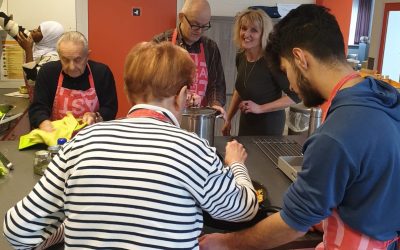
73 36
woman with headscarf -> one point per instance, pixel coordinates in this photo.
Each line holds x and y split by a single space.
39 44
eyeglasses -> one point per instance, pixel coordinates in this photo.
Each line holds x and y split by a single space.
195 27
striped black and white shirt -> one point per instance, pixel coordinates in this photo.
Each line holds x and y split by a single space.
135 183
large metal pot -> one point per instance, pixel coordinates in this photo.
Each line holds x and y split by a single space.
200 121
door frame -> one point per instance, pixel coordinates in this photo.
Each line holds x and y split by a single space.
388 7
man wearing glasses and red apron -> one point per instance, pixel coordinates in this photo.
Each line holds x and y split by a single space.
209 87
73 84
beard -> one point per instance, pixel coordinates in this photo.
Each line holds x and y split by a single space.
310 96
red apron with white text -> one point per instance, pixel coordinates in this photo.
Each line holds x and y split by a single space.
78 102
200 83
338 235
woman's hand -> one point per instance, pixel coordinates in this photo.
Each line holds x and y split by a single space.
250 107
220 109
235 152
226 129
26 43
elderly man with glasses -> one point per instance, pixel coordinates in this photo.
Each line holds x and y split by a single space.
209 87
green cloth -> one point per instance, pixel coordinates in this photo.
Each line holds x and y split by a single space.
63 128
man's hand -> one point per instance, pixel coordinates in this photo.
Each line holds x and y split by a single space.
215 241
46 126
235 152
89 118
193 100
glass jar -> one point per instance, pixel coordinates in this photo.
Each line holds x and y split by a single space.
41 161
53 150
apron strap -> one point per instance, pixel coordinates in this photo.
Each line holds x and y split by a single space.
148 113
174 36
335 89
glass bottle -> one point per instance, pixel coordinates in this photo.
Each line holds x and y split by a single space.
54 149
41 161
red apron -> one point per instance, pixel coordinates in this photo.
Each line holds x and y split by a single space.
338 235
76 101
326 105
148 113
200 84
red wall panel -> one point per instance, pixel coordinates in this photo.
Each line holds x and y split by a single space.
113 31
342 11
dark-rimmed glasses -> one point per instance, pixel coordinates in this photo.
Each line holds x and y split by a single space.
195 27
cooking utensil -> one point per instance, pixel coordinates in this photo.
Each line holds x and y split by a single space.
200 121
264 211
315 120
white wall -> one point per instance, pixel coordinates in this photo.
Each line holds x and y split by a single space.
30 13
231 7
377 28
82 22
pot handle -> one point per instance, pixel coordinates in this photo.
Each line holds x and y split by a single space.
218 114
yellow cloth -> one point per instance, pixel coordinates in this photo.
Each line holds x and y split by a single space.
63 128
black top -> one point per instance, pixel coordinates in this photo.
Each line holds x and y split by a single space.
216 87
46 86
257 83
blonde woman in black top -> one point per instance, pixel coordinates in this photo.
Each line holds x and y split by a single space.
259 92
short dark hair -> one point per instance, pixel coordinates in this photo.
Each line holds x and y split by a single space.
310 27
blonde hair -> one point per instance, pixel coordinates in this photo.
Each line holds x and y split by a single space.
255 17
156 71
75 37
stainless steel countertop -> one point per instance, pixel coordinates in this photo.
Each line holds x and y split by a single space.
21 104
21 180
18 183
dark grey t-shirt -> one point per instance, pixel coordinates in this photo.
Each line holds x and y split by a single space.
257 83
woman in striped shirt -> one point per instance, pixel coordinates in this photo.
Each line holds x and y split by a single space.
140 182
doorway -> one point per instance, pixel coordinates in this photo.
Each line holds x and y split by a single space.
389 51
